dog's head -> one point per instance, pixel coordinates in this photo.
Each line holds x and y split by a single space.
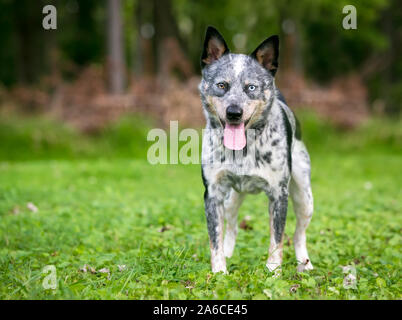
237 90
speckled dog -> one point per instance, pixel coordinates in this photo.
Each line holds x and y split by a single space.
239 97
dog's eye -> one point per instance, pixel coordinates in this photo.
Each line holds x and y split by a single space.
221 85
251 87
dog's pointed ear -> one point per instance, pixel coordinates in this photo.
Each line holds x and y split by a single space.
214 47
267 54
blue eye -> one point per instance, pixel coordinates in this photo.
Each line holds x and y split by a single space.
251 87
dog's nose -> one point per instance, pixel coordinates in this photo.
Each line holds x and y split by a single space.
234 112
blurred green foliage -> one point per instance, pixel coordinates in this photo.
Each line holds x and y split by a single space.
39 137
34 138
323 49
328 49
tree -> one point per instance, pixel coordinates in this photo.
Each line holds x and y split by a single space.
144 53
115 56
169 47
160 49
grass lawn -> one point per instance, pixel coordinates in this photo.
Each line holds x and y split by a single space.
116 228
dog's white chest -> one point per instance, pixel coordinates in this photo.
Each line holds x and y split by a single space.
249 184
243 183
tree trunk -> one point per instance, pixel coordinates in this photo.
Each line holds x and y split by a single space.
170 54
144 56
30 36
115 61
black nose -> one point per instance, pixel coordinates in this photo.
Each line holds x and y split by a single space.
234 112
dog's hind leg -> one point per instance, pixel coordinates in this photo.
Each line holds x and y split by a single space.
231 204
302 198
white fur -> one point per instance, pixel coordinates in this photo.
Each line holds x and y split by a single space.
238 65
231 210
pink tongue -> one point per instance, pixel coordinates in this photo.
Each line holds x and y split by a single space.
234 137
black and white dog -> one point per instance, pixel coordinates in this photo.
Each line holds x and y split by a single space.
239 96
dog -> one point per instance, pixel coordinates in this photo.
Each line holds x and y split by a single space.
239 96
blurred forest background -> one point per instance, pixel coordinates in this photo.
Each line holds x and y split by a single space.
112 57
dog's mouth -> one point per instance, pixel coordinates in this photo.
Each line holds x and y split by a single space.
234 135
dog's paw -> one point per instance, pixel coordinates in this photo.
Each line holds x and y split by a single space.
305 266
219 267
275 268
276 273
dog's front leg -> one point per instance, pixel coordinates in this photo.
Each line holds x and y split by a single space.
278 206
214 212
231 204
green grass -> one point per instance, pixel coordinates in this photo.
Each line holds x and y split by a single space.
98 208
37 138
